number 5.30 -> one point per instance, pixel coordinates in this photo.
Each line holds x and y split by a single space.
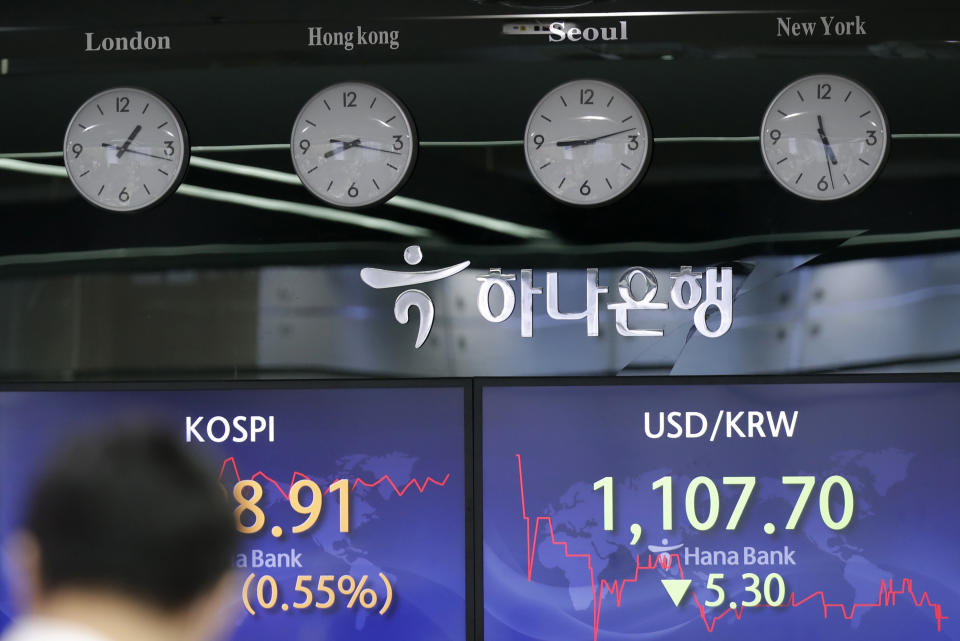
773 593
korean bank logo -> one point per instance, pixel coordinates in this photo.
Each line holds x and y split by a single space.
708 293
385 279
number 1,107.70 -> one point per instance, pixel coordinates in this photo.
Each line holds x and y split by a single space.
705 519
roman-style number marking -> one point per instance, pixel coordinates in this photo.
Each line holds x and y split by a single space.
545 118
546 164
797 181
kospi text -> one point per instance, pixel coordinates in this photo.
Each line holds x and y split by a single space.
239 429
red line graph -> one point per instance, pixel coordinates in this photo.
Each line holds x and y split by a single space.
886 597
358 481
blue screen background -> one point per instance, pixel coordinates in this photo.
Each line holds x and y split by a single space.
897 444
416 539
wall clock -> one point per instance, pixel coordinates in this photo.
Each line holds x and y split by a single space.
824 137
587 143
126 149
353 145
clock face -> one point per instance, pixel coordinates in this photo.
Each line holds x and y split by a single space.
125 149
353 145
587 142
824 137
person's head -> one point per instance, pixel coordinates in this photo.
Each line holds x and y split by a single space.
130 515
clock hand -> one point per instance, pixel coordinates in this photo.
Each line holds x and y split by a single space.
616 133
827 150
386 151
134 151
356 143
831 157
344 145
123 148
829 169
589 141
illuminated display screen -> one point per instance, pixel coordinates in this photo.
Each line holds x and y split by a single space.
395 455
730 511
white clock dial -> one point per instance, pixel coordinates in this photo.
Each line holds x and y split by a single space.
587 142
824 137
125 149
353 145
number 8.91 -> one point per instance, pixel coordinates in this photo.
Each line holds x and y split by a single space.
306 498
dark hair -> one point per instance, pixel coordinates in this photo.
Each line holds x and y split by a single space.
132 510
